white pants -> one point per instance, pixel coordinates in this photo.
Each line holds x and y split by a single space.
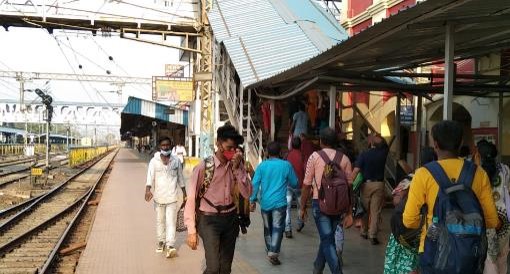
500 265
166 219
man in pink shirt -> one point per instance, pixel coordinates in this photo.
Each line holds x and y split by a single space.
217 224
326 224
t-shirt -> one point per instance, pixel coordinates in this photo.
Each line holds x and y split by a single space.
300 123
296 159
272 178
424 189
372 163
315 169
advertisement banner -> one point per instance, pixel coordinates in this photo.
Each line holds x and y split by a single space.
173 90
174 70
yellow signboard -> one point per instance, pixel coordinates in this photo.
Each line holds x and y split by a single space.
173 90
37 171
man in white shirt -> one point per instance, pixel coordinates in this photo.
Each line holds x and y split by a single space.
180 152
164 175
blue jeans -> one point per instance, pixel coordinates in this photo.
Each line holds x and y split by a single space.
339 239
326 225
274 222
293 193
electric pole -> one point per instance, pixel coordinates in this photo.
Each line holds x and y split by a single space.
47 100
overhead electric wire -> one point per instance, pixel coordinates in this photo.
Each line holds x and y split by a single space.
72 68
153 9
76 58
5 65
83 56
13 86
102 13
4 92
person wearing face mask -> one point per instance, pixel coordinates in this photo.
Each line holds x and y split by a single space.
211 211
164 175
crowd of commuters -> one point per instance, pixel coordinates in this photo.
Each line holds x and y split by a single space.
451 215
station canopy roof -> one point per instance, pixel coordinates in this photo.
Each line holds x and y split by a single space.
265 37
9 130
413 37
138 115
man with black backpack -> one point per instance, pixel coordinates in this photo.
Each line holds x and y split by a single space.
460 207
328 173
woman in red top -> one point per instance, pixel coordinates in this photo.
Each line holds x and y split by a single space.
296 159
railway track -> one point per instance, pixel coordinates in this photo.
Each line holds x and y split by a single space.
30 237
21 171
16 162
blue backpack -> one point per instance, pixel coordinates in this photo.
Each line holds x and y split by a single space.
459 244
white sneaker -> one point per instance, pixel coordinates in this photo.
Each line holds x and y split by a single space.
160 248
171 252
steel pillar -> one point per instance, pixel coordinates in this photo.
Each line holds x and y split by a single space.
419 137
449 77
272 127
500 125
332 106
205 66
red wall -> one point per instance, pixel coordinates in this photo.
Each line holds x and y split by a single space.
356 7
358 97
394 10
361 26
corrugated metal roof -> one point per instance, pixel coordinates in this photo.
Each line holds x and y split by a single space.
155 110
12 130
265 37
413 36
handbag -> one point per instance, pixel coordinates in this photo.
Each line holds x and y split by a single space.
357 181
358 210
180 226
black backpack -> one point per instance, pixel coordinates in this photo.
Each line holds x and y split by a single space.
407 237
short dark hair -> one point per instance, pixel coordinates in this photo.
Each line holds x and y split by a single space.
301 106
427 155
464 151
166 138
273 149
296 143
448 136
227 132
328 137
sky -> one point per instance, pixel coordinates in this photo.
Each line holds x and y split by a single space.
35 50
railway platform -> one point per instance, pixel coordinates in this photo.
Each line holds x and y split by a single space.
122 238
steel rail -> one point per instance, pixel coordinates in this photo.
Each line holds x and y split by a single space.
80 202
53 254
3 184
39 198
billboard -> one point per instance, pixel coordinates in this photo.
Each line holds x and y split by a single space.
172 89
174 70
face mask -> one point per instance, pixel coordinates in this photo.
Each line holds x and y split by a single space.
229 154
165 153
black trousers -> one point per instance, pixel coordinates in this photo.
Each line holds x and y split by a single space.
219 234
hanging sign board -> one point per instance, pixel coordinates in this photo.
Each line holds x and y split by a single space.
407 115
